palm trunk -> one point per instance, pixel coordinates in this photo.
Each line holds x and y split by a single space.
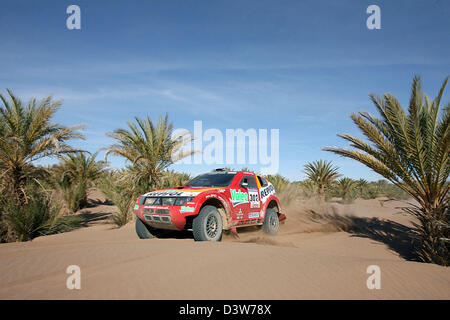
322 192
434 231
18 185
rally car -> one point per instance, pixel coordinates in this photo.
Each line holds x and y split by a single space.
209 204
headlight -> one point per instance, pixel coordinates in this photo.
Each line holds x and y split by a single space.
182 200
168 201
151 200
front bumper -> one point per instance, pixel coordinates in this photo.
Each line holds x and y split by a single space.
171 218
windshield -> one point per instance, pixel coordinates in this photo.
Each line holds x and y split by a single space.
212 180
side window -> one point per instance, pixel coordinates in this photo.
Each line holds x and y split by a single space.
262 181
250 180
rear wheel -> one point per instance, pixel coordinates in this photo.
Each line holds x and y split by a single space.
271 222
207 225
144 231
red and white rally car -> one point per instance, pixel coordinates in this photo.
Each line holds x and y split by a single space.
210 203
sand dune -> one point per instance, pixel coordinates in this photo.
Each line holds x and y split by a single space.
309 259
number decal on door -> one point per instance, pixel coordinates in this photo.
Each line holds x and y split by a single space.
254 198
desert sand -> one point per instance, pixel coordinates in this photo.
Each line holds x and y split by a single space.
321 255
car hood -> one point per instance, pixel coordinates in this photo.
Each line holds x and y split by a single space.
184 192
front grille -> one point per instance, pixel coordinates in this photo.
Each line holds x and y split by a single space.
157 219
148 210
162 211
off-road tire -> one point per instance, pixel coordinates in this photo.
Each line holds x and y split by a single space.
207 225
271 222
144 231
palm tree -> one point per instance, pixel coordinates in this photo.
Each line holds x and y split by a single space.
322 173
150 149
79 167
75 174
27 135
411 151
345 186
361 184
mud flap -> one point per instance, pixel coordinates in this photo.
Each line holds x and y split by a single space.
233 231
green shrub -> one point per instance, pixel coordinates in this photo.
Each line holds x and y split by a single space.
73 193
37 217
279 182
121 193
172 179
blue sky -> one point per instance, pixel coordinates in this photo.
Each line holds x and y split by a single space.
299 66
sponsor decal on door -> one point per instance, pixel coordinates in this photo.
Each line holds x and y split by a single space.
238 197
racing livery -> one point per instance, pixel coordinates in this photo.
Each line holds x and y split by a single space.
210 203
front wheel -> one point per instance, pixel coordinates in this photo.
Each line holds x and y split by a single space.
271 222
207 225
144 231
